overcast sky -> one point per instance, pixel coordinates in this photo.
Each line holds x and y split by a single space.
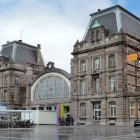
55 24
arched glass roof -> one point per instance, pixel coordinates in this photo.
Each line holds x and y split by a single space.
51 86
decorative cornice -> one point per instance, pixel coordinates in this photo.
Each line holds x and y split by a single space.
14 69
123 42
98 48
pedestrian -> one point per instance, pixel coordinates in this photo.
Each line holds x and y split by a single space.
71 120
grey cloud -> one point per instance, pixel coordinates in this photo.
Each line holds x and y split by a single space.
55 26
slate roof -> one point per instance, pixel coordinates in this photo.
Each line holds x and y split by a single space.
20 52
115 19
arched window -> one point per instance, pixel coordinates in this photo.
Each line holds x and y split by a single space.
51 87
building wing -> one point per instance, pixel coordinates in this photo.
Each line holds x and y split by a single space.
115 19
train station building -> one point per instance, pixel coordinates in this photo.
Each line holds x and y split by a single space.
105 83
27 84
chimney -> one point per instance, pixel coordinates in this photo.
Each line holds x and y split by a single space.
38 54
38 46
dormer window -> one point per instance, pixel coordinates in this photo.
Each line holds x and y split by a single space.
97 32
96 24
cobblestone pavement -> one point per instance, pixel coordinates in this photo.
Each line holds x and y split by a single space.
71 133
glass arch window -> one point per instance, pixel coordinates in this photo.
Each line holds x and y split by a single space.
51 87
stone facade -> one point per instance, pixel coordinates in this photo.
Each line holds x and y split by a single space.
20 63
104 83
50 88
22 70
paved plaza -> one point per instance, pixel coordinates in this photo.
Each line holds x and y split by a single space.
71 133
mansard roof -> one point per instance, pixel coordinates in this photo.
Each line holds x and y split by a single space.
115 19
20 52
114 7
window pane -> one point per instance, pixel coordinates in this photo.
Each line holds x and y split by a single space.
16 80
97 111
132 109
132 104
132 112
97 64
83 66
111 61
112 83
83 87
83 110
112 109
51 87
97 85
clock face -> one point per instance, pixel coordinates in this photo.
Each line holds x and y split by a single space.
51 87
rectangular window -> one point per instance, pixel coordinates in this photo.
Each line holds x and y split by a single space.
33 108
97 64
97 85
49 108
16 80
132 109
66 109
111 61
83 110
112 109
83 87
6 80
5 95
97 111
41 108
83 66
112 83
